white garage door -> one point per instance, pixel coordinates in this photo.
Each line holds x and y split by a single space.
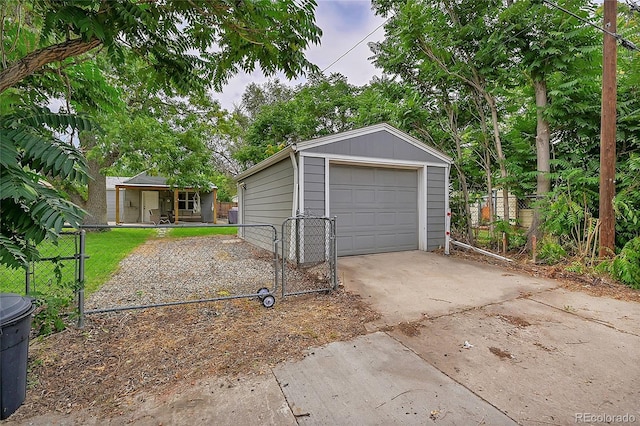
376 209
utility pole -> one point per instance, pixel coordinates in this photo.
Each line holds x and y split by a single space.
608 132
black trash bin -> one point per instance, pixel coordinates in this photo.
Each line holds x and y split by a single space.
233 215
15 325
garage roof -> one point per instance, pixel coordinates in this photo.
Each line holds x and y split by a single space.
325 140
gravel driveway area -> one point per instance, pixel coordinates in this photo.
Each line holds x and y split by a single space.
169 270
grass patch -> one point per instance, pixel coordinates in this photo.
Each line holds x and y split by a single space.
107 249
201 231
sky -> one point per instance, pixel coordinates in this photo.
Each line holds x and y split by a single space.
344 23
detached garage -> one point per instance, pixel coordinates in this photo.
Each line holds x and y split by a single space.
388 190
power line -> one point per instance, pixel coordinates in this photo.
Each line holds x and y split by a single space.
635 7
355 45
627 44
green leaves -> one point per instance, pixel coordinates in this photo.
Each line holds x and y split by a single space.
31 208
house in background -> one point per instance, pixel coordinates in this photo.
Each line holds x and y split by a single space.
112 181
388 190
148 199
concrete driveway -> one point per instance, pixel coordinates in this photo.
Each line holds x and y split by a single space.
536 353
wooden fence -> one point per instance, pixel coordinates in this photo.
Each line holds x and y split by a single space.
224 207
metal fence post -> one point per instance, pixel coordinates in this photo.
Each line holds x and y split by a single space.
284 265
27 278
81 279
275 258
334 254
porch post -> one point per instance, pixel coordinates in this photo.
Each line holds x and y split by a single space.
215 206
175 205
117 204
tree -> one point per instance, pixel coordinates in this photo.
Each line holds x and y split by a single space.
31 209
551 47
426 40
187 46
228 37
322 106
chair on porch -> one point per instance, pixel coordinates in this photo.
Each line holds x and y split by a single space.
157 218
154 216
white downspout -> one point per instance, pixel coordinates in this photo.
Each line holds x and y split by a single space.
447 220
295 204
294 163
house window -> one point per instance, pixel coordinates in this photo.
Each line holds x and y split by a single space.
186 200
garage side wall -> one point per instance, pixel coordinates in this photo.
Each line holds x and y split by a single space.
436 207
267 197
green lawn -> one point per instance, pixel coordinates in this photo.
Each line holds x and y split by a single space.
201 231
105 250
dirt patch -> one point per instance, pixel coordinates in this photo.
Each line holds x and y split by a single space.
543 347
517 321
106 365
410 329
500 353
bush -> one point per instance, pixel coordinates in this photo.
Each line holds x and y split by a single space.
626 265
550 252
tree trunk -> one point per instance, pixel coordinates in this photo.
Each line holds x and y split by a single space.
543 156
96 202
487 169
453 127
501 158
26 66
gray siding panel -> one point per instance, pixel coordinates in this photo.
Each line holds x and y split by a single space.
380 144
314 190
436 208
267 198
314 197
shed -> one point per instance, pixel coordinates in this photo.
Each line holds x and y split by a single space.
387 189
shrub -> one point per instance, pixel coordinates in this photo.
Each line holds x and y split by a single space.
550 252
626 265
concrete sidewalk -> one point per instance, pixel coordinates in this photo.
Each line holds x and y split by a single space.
374 380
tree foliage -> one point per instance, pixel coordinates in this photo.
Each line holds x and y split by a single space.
76 50
31 209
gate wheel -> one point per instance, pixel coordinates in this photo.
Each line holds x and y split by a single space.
268 301
263 292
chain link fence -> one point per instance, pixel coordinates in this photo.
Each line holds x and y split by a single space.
54 273
308 255
116 268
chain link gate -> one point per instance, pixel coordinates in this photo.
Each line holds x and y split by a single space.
309 255
168 270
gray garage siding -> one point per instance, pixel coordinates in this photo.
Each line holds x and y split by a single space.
314 191
436 209
267 198
379 144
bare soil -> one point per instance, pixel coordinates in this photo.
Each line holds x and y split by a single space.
116 357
